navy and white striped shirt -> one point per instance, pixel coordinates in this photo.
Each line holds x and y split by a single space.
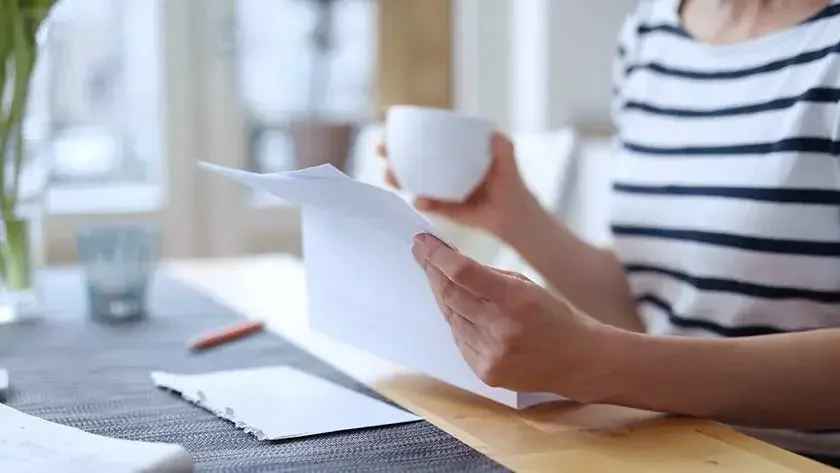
726 199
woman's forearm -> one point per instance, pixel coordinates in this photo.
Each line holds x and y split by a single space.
785 381
591 278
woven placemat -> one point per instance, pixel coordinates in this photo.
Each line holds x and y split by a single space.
70 369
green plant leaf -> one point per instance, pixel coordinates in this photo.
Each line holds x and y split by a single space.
20 21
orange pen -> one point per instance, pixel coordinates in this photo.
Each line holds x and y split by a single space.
225 335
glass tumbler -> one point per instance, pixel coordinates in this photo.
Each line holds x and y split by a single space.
118 263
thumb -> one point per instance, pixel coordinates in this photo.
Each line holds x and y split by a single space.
503 148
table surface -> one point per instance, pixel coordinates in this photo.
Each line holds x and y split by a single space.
91 374
556 437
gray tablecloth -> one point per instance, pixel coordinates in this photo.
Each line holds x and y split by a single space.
70 369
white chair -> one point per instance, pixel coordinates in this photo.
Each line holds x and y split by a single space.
545 161
582 200
587 208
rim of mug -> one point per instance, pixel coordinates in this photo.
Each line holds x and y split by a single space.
436 110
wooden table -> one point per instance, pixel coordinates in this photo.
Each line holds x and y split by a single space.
553 438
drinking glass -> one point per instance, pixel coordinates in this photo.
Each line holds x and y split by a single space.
118 262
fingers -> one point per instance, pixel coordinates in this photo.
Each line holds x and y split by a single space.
461 308
391 178
502 145
425 205
471 355
461 270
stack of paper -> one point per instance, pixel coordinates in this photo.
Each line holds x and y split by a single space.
365 288
32 445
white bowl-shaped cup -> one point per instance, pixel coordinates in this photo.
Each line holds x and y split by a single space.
438 153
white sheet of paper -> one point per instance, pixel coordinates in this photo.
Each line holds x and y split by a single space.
364 287
29 444
281 402
369 205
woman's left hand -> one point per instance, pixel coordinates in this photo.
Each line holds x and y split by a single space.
513 333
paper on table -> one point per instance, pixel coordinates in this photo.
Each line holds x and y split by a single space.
364 287
32 445
280 402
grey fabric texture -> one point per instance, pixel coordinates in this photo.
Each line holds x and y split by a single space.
94 375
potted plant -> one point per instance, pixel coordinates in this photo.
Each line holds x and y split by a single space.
21 184
317 138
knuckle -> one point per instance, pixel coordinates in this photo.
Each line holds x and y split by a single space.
524 303
489 375
509 335
462 272
512 294
492 371
434 253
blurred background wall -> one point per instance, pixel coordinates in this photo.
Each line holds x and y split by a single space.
131 95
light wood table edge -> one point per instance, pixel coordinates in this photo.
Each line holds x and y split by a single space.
461 414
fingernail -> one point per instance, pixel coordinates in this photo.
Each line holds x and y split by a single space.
423 239
444 243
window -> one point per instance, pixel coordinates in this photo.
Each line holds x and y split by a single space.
96 101
130 95
284 78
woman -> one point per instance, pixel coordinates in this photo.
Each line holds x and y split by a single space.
720 297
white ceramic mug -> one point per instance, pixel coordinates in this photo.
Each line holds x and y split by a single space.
438 153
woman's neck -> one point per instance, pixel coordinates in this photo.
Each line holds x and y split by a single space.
734 21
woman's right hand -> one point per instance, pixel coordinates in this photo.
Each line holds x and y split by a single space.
496 202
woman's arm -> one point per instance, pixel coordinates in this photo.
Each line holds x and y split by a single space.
787 381
592 278
518 336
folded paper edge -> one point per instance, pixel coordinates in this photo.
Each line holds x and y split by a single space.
231 174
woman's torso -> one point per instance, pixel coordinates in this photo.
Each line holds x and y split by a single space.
726 199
